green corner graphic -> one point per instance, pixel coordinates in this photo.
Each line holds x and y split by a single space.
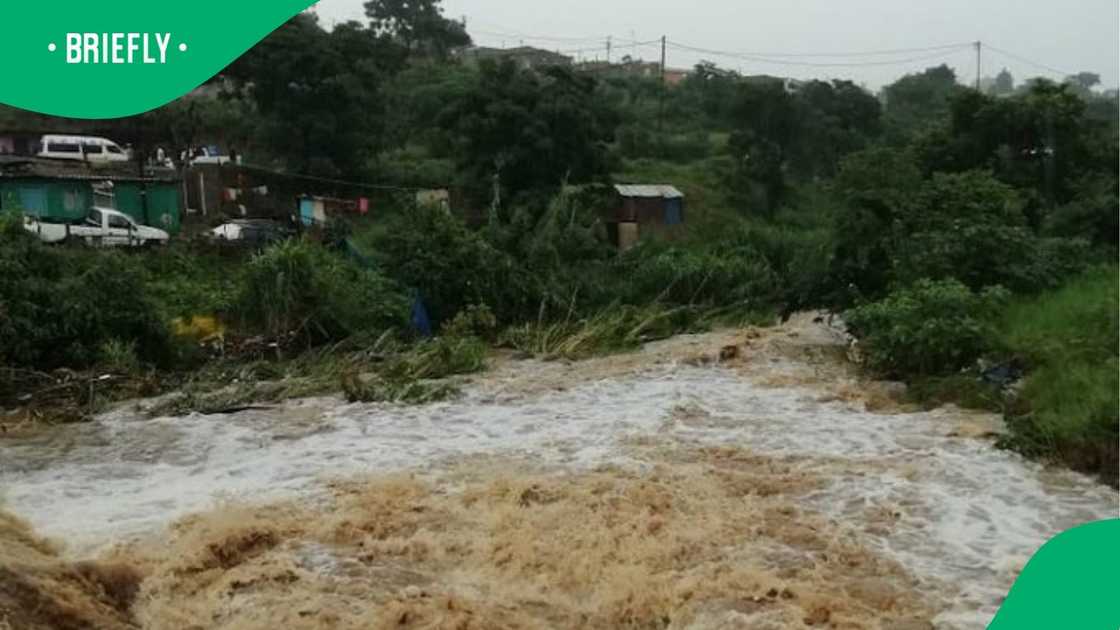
156 51
1072 582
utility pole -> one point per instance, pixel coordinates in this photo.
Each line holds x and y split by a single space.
979 47
661 103
608 49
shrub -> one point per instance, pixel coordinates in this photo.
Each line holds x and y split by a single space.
613 329
411 377
931 328
377 389
300 288
799 258
120 356
1068 406
969 226
1094 214
474 321
569 231
58 307
430 250
187 280
439 358
731 274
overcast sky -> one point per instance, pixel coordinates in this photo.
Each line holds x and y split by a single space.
1068 36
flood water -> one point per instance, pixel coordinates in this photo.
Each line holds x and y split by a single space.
964 516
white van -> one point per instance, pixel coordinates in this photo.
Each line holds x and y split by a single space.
81 148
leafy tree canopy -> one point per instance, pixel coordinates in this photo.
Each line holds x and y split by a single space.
418 25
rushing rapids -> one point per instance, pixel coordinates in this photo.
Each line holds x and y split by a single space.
740 478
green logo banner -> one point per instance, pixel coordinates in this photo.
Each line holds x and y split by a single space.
1073 581
113 58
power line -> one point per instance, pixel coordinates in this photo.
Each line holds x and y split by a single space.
840 59
1022 59
818 64
515 34
535 38
865 53
604 48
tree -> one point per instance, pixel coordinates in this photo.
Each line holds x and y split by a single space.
918 100
319 93
968 226
531 130
1084 80
876 187
781 133
1035 140
418 25
713 89
765 119
1005 83
417 96
836 119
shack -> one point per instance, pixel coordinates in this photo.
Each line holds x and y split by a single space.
63 192
637 207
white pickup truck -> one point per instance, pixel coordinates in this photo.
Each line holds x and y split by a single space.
103 228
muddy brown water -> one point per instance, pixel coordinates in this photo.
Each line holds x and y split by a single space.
714 485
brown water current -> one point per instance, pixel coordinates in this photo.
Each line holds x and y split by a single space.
687 485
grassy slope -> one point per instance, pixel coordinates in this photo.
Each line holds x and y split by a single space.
706 199
1067 409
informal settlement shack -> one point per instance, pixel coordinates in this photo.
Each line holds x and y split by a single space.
642 208
59 191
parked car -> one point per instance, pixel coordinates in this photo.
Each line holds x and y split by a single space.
102 228
81 148
251 231
209 155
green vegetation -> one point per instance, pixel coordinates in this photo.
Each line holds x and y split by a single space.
1067 408
932 328
922 212
300 289
614 329
59 307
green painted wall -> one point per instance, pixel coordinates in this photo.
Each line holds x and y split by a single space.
164 211
57 200
128 198
154 204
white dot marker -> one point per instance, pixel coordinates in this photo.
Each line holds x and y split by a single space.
51 47
182 48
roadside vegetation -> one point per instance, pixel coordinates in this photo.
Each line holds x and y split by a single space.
968 238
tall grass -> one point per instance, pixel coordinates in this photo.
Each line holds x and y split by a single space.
300 288
1068 407
613 329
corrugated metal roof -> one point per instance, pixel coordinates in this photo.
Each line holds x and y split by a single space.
16 167
648 190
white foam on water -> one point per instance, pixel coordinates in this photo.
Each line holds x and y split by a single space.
968 515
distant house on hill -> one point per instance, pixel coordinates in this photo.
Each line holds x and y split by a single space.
674 76
527 57
628 67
